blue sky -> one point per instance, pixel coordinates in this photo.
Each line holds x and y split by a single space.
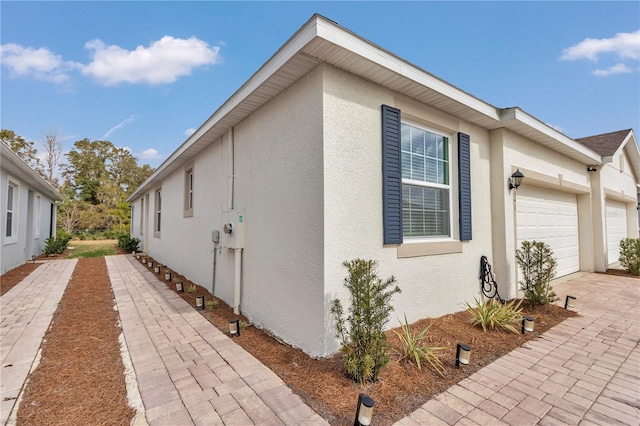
145 74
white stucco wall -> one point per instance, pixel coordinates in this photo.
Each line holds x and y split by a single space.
431 285
32 226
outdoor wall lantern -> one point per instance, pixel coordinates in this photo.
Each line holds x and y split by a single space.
463 354
569 302
515 180
364 411
527 324
234 327
200 302
180 287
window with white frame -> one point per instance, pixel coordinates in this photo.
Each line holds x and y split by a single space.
37 218
11 223
157 226
426 189
188 192
141 216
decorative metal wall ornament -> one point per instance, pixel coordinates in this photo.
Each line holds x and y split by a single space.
488 279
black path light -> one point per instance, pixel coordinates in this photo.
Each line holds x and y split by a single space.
463 354
364 411
527 324
570 302
200 302
234 327
180 286
515 180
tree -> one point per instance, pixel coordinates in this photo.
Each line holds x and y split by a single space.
52 155
23 148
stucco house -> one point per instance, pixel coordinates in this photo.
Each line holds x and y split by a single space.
28 210
337 149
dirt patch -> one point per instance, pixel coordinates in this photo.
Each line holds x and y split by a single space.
14 276
80 378
402 388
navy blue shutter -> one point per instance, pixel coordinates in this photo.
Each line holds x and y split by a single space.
391 175
464 186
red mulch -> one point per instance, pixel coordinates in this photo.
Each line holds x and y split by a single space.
14 276
402 388
80 378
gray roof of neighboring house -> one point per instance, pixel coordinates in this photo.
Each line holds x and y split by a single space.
14 165
606 144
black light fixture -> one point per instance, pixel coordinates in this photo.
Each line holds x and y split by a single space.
463 354
156 269
167 276
33 258
592 169
364 411
150 264
516 179
200 302
527 324
569 302
234 327
180 286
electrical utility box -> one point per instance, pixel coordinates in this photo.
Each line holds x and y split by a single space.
234 224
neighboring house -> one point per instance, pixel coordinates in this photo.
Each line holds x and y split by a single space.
336 149
28 210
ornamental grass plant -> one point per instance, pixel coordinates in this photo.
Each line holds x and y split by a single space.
493 315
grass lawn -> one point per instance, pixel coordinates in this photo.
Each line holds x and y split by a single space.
91 248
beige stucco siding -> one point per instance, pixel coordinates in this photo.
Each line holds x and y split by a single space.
431 285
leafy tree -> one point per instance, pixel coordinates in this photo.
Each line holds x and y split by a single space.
23 148
538 267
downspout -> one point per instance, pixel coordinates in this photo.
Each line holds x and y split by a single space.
237 282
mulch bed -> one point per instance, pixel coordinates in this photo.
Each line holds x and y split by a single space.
402 388
80 378
14 276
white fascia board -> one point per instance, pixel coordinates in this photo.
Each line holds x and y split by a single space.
356 44
630 144
29 175
517 114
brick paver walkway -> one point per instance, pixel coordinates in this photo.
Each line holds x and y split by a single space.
189 372
27 310
584 371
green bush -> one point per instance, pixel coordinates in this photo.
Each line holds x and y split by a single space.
414 349
492 315
127 243
361 334
538 267
53 246
630 255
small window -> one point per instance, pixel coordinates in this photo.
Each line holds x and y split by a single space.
11 224
426 192
158 214
188 192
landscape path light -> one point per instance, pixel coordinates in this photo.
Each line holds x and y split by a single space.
234 327
569 302
364 411
463 354
527 324
200 302
180 286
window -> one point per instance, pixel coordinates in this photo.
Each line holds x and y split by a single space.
188 192
11 223
141 216
425 183
157 226
36 221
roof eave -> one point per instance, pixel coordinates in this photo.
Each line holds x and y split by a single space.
29 175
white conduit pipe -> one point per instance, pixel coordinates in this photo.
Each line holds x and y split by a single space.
237 281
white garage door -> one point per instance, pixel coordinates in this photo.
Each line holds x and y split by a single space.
616 213
551 217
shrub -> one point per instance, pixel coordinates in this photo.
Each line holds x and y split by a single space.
538 267
191 289
127 243
630 255
414 348
492 315
211 304
361 335
54 246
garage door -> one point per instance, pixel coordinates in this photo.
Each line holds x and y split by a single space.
616 213
551 217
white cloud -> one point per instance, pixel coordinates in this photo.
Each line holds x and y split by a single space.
616 69
189 131
41 64
119 126
150 154
162 62
624 45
